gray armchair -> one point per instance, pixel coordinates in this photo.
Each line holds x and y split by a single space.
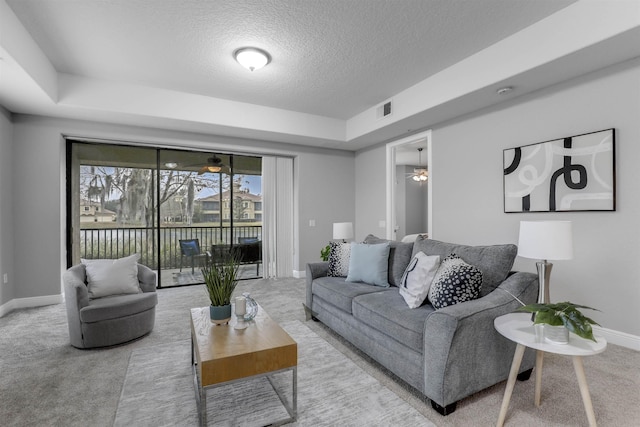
108 320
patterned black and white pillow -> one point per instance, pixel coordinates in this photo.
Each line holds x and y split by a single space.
455 282
339 256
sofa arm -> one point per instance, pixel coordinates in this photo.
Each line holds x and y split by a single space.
314 270
147 278
463 353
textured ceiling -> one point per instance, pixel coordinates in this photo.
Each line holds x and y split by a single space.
332 58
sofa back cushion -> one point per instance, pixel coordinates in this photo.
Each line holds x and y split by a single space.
493 261
399 256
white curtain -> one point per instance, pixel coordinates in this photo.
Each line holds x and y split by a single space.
277 216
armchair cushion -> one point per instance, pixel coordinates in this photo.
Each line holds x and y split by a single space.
107 277
117 306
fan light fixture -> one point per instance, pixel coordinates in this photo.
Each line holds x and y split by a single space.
214 165
420 174
252 58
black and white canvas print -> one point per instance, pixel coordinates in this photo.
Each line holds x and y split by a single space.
576 173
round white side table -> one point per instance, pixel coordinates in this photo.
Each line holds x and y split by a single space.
518 327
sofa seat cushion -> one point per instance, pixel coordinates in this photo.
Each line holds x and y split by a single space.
117 306
387 312
340 293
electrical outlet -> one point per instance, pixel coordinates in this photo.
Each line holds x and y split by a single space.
312 223
5 278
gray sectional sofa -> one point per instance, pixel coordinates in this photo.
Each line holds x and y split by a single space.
445 354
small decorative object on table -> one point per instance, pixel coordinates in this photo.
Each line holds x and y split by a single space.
221 280
251 307
561 318
241 310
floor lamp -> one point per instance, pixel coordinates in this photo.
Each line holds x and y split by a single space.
545 240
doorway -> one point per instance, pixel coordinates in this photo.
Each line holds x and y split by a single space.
409 200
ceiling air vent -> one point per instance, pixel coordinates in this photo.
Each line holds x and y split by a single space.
384 110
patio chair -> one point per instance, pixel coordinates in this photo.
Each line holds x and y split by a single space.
190 248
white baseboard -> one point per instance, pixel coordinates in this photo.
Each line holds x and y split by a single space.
299 274
619 338
18 303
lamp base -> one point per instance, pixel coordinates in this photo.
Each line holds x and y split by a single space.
544 273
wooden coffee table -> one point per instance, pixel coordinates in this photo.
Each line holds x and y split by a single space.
221 355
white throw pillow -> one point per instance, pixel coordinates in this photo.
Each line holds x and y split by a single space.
417 278
112 276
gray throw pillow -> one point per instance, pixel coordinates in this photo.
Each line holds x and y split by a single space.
400 254
494 261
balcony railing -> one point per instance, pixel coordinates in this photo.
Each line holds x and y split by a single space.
119 242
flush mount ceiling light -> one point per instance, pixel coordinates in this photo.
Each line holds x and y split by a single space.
252 58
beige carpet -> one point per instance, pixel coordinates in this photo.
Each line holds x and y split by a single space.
44 381
332 390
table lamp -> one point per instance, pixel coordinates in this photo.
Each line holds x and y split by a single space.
342 230
545 240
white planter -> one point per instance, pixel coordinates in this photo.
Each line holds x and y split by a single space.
556 334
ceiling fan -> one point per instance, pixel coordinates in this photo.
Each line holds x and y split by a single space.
214 165
420 174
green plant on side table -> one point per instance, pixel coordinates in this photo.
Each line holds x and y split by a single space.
221 280
324 253
563 314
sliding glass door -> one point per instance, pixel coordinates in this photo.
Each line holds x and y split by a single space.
179 210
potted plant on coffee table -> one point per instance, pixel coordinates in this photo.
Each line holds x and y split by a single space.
220 280
565 317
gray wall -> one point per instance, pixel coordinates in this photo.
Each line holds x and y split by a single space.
467 187
466 174
370 192
6 207
324 191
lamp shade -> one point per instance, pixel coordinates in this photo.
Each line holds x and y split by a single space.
546 240
342 230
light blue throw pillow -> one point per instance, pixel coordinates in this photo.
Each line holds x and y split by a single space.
369 264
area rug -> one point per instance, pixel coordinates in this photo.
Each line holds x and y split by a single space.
332 390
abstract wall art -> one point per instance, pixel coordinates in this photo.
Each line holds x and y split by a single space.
576 173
